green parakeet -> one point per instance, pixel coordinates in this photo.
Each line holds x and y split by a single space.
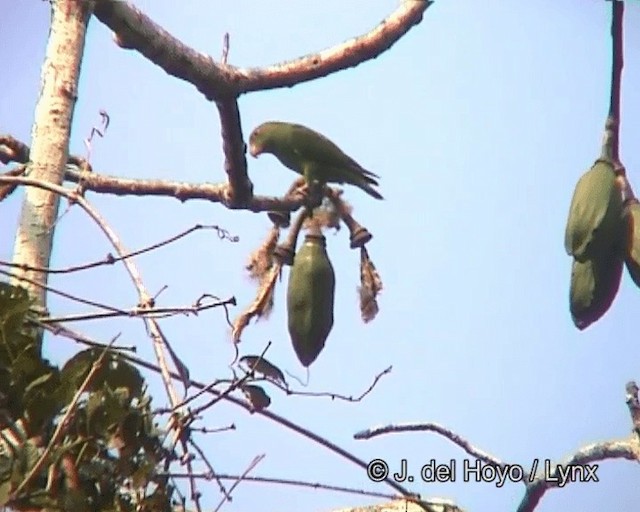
311 154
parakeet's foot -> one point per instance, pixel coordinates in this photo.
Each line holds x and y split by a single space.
315 194
311 196
302 190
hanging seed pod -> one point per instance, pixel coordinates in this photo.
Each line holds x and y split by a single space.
632 246
594 223
594 285
310 298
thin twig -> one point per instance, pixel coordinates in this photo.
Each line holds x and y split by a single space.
212 471
112 310
110 259
225 48
284 422
252 465
431 427
153 329
236 384
138 312
291 482
335 396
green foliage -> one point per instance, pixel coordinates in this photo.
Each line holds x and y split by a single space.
109 437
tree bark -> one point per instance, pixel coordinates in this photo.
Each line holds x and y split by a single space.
50 142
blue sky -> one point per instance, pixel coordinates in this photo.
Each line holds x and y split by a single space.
479 122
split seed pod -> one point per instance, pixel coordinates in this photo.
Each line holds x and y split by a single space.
632 256
310 298
594 226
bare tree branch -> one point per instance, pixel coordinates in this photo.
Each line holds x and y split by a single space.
540 480
223 83
234 149
60 330
13 150
217 81
619 449
431 427
153 328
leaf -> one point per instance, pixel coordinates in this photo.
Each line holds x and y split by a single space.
104 412
263 366
43 379
41 402
14 301
257 396
5 493
143 474
115 372
14 305
77 367
74 500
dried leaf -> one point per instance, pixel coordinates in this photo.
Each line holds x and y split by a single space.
370 287
368 304
261 365
261 260
262 304
7 189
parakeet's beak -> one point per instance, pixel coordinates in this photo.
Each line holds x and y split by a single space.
254 151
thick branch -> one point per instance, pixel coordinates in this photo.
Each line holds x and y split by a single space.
215 193
620 449
13 150
51 129
223 83
240 189
134 30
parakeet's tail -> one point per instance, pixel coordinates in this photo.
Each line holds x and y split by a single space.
363 179
370 190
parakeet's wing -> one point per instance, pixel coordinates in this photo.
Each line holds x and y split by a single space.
312 145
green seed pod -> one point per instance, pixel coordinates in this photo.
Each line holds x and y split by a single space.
594 223
632 246
310 299
594 285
